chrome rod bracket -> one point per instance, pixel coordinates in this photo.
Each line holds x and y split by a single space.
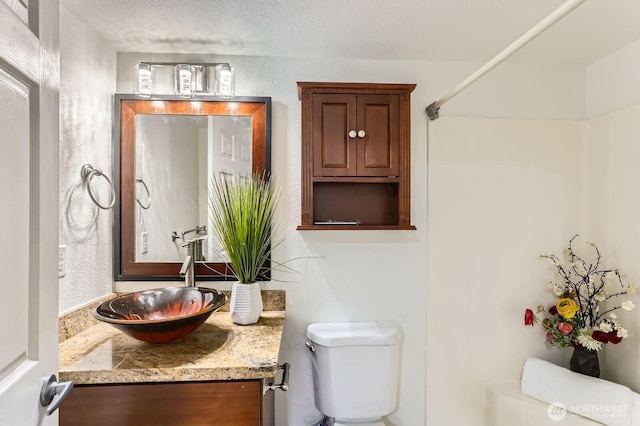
433 111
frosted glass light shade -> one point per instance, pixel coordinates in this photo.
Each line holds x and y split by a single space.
225 86
185 80
145 82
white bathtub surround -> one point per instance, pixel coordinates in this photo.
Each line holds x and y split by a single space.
600 400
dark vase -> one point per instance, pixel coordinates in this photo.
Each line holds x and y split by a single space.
584 362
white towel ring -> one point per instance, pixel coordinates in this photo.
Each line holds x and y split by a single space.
146 188
88 172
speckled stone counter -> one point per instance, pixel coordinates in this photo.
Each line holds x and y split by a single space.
219 350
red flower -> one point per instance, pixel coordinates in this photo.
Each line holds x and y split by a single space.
528 317
565 328
613 337
549 336
553 310
600 336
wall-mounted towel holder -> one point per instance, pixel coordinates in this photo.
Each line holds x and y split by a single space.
88 172
146 188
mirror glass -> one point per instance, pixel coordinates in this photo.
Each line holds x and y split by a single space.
169 149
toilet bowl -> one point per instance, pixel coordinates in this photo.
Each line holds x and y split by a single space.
355 370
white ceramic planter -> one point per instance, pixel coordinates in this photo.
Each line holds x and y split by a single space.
245 306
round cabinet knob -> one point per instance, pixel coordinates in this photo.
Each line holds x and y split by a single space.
352 134
361 134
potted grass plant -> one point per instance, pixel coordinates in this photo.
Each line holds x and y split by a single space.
242 210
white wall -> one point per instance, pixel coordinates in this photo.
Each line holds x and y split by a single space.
613 102
614 205
87 69
501 192
166 159
614 81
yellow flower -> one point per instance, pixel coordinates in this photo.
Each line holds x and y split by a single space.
567 307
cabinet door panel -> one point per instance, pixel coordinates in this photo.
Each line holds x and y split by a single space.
164 404
334 152
378 149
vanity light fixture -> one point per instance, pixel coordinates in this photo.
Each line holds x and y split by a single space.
225 81
145 80
185 79
188 79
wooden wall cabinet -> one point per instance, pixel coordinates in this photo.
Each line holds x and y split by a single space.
220 403
356 160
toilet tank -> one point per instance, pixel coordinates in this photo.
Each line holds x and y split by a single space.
355 368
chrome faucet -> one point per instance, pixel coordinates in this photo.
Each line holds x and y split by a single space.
194 253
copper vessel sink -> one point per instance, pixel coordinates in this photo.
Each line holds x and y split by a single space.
161 315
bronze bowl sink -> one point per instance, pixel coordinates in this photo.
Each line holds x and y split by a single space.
161 315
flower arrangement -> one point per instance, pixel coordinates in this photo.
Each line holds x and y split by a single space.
577 318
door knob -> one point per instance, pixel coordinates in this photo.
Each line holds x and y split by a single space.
50 389
361 133
352 134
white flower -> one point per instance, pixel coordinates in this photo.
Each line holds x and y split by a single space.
588 342
579 267
555 288
599 297
584 291
631 289
622 332
606 327
627 305
613 316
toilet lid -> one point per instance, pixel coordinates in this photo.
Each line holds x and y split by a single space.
354 333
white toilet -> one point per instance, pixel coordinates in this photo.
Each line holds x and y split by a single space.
355 370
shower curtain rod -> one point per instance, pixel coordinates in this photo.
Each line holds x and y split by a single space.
433 110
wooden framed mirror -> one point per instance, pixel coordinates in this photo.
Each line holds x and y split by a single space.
166 150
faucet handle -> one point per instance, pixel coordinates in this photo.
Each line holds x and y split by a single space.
193 241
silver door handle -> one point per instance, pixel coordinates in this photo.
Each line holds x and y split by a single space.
50 389
353 134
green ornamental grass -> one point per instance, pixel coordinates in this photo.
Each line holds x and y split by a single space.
242 213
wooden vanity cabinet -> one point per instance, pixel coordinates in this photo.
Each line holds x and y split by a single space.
355 156
220 403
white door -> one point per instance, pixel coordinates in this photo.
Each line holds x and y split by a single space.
229 148
29 76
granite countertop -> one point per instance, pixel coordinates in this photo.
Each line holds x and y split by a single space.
98 353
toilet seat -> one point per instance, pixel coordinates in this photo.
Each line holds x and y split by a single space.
355 422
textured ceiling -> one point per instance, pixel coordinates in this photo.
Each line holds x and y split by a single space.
438 30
